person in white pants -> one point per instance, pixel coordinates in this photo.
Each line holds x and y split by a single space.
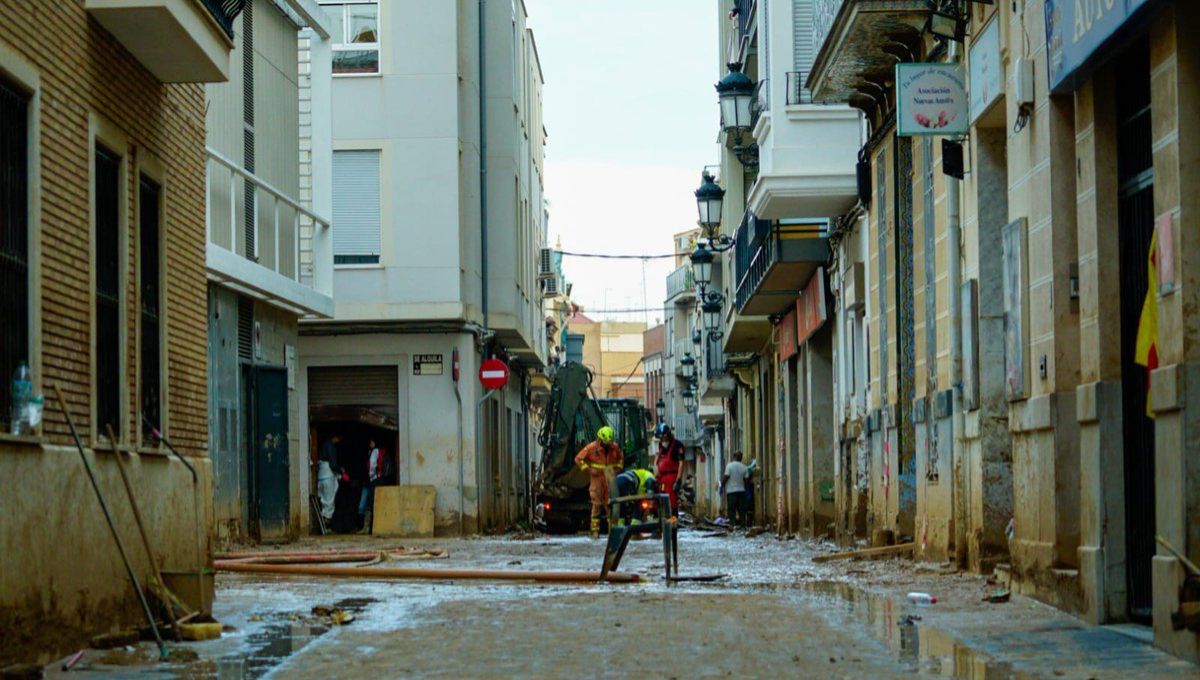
327 481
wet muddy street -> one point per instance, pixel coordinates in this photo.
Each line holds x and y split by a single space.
776 615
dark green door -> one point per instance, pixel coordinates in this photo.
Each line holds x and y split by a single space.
270 447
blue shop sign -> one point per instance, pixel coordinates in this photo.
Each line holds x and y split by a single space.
1076 29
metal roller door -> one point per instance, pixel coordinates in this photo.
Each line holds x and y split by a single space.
373 387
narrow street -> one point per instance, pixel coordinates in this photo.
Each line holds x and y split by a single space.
777 615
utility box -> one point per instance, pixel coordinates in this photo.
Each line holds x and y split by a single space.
405 510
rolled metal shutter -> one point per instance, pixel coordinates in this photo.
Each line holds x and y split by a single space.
373 387
356 211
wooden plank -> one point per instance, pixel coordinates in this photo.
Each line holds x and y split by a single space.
885 551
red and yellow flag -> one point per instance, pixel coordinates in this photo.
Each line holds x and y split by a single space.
1146 352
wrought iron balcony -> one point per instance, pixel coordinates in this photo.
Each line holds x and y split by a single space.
681 286
774 259
797 93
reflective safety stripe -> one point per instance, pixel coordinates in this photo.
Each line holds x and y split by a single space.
601 466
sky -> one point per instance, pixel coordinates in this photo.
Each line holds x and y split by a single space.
632 120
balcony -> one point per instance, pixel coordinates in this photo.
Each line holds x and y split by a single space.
806 157
740 40
681 286
865 41
179 41
264 244
774 260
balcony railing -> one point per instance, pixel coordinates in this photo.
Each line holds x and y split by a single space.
775 260
680 284
224 12
257 222
797 93
761 102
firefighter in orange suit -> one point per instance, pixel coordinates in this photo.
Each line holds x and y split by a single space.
599 459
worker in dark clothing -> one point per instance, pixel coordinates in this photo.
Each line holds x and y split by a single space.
327 471
634 482
667 464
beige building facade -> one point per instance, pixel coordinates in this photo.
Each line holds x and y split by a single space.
990 395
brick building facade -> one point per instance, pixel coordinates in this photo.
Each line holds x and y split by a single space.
113 171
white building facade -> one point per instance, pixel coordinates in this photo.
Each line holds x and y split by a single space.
438 218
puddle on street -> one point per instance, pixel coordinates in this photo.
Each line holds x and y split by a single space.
900 626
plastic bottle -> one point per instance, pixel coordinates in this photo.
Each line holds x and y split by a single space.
922 599
22 386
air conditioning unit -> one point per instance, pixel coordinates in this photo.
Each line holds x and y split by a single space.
551 287
546 263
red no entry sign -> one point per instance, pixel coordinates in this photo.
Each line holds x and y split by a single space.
493 374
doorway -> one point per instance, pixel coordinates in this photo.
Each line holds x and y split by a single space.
1135 207
267 454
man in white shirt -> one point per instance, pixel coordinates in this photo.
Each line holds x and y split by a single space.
366 503
734 482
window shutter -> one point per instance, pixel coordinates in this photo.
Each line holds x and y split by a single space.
356 212
805 42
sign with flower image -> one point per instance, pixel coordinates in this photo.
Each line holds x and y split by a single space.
931 99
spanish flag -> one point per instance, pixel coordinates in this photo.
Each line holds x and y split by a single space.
1146 352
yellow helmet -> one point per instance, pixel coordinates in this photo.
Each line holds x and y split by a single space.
605 434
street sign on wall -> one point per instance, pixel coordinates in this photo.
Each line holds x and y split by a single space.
493 374
931 99
427 364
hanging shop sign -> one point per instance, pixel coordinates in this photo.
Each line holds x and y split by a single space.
931 100
1075 32
810 308
987 72
788 347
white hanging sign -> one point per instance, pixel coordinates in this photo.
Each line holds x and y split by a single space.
931 99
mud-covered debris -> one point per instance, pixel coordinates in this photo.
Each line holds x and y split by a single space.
181 655
121 638
341 618
323 610
22 671
998 597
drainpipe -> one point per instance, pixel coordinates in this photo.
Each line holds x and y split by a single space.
954 274
458 398
483 192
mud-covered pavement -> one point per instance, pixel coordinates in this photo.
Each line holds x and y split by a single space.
777 615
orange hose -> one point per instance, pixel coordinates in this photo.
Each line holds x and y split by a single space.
439 574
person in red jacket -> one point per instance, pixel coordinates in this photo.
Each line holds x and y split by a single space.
667 464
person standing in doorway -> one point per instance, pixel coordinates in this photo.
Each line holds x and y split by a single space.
327 470
375 470
667 464
734 482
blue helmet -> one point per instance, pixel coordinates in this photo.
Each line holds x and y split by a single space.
662 430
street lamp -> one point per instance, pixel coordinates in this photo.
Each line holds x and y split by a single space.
689 399
696 337
702 262
709 199
660 409
689 365
735 92
711 308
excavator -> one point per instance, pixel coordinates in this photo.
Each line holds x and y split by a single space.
573 415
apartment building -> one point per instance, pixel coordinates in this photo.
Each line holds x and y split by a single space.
1011 345
438 220
269 259
787 168
612 351
102 264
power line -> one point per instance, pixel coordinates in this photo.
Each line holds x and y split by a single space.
605 256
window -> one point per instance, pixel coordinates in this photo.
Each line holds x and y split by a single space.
150 273
354 32
14 239
356 212
107 246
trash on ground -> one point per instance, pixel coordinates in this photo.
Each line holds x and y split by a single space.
884 551
997 597
922 599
